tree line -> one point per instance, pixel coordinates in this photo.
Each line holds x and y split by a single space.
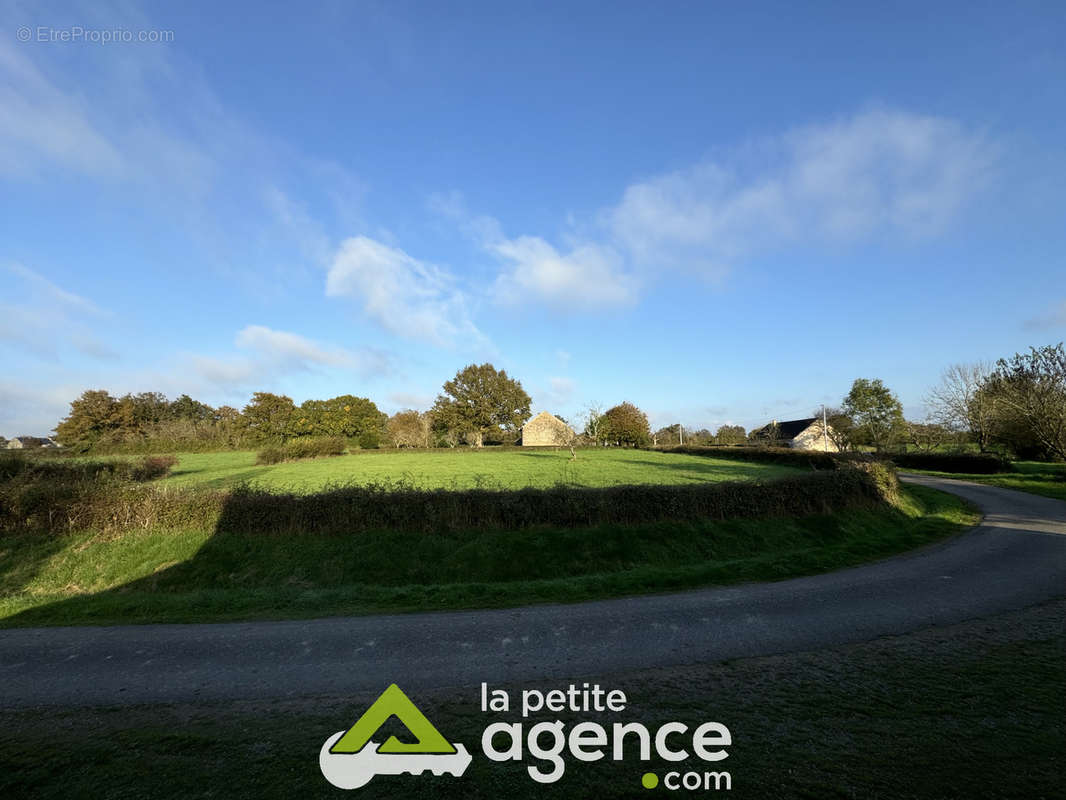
1016 406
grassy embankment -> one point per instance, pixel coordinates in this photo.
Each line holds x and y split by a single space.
233 572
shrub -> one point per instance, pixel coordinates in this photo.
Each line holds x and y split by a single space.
972 463
304 447
59 497
152 467
350 510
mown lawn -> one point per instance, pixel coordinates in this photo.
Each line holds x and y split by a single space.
1036 477
466 469
196 576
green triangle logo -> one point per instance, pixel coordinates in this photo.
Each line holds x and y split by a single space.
393 703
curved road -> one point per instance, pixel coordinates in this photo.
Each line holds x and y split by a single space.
1015 558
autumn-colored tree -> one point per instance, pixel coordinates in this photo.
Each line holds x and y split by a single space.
91 417
409 428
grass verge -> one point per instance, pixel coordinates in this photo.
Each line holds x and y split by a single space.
1035 477
967 711
195 576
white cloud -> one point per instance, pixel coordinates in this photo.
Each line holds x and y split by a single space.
275 353
874 172
53 293
406 296
291 347
588 276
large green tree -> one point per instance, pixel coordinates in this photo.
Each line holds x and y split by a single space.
625 424
346 415
269 416
876 413
479 400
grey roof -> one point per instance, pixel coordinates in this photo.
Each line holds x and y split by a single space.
789 429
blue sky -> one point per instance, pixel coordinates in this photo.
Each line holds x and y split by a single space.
724 213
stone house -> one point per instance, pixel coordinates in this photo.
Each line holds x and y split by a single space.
546 430
29 442
801 434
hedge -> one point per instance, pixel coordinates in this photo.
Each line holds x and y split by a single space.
56 506
966 463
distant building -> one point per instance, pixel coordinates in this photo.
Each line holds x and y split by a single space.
801 434
30 442
545 430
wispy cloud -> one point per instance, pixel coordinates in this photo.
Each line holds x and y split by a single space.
867 174
272 354
404 295
585 275
1054 317
291 348
30 410
880 171
41 124
41 318
560 391
54 293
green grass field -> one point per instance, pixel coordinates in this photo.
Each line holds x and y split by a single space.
1035 477
466 469
187 576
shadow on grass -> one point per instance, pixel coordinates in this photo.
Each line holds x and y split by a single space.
239 574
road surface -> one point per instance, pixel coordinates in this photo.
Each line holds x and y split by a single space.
1015 558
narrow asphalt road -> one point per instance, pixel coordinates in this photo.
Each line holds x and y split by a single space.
1015 558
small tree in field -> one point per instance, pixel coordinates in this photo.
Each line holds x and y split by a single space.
841 427
478 400
876 412
959 402
927 436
